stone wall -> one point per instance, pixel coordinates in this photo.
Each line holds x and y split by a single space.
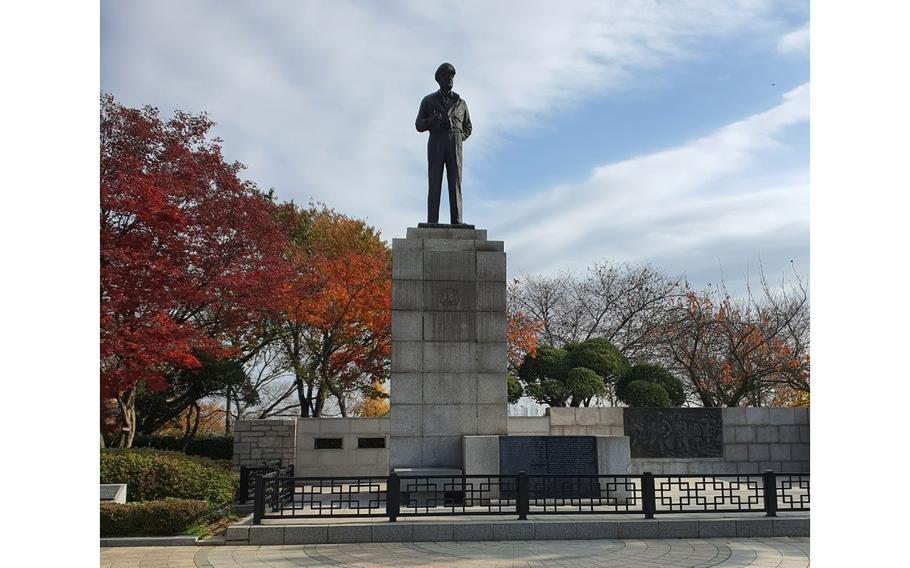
769 438
754 439
586 421
529 425
256 441
350 459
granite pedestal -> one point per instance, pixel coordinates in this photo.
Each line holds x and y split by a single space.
448 344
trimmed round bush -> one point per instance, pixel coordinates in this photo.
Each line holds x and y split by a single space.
156 474
550 363
584 383
651 374
170 517
599 355
645 394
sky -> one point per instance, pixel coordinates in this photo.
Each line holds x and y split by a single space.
672 133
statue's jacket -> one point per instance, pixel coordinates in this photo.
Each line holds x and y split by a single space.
453 106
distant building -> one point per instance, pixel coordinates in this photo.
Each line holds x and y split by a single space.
526 407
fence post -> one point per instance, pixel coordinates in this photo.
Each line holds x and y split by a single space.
770 487
393 497
648 498
523 501
243 492
290 483
259 501
276 492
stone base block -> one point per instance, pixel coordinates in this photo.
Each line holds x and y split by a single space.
637 529
350 533
579 528
481 457
305 535
113 493
266 534
614 458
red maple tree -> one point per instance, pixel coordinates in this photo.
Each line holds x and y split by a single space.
189 252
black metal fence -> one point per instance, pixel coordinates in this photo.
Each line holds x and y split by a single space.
248 475
278 494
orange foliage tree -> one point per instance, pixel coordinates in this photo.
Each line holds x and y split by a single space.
741 352
335 314
521 337
374 403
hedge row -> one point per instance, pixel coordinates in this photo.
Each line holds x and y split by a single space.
170 517
215 447
155 474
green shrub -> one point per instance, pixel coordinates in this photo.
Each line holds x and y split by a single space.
651 374
170 517
155 474
210 446
567 377
174 443
645 394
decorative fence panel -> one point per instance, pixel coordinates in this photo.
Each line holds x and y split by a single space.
566 494
710 493
792 491
248 475
280 495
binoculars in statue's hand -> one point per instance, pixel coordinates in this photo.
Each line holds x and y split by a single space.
440 121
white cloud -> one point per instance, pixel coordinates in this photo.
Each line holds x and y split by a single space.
796 41
670 204
319 98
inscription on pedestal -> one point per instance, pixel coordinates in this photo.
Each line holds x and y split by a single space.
561 455
449 297
674 432
555 455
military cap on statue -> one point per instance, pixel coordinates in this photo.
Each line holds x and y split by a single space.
444 68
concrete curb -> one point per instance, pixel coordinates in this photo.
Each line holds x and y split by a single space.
239 531
149 541
522 530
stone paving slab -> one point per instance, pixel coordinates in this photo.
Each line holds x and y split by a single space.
608 553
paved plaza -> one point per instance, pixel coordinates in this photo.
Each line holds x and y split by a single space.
681 553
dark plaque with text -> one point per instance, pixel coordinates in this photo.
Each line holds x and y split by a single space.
674 432
559 455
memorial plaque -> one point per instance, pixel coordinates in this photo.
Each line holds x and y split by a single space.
517 453
674 432
549 455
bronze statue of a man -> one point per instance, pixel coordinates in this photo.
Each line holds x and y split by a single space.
445 115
